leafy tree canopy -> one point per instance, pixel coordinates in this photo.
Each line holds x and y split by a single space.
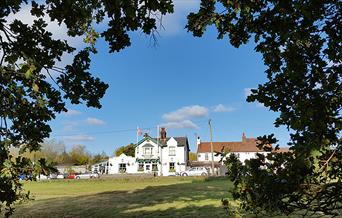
192 156
301 44
29 95
128 150
99 157
79 155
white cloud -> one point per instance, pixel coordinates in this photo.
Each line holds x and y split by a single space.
185 113
185 124
70 125
175 23
94 121
247 92
72 112
79 137
58 32
221 108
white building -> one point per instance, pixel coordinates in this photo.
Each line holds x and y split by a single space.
163 156
122 164
101 167
246 149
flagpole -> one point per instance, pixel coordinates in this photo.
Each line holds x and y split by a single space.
161 152
137 134
158 136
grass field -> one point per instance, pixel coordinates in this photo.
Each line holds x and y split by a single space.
130 197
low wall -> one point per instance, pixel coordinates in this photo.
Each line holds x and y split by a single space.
76 169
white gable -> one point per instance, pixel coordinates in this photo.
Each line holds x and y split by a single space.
147 149
122 155
148 143
172 142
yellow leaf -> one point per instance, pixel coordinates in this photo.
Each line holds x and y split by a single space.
29 72
35 87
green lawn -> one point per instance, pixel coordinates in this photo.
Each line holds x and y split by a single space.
131 197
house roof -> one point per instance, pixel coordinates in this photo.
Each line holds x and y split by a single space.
282 150
248 145
147 145
181 141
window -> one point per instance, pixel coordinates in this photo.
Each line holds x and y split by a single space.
148 167
122 168
154 167
172 167
172 151
206 156
199 156
148 151
141 167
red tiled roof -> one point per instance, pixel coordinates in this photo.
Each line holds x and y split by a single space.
249 145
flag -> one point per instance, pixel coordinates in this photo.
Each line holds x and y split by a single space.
139 131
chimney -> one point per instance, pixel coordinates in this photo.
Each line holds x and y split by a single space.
198 141
244 138
162 134
145 135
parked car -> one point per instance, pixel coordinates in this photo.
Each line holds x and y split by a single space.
195 171
61 176
53 176
25 177
87 175
42 177
71 176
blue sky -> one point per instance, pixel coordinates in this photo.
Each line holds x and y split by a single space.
180 84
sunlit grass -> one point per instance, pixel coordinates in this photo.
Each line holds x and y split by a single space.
130 197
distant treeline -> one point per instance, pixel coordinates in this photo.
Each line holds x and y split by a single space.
55 152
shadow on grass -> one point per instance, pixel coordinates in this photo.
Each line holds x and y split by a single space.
196 199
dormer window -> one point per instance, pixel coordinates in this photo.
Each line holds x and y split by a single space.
148 151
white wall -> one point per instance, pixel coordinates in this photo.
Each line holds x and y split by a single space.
114 163
139 151
242 156
201 157
180 158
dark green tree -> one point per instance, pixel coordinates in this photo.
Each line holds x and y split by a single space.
128 150
29 95
301 44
